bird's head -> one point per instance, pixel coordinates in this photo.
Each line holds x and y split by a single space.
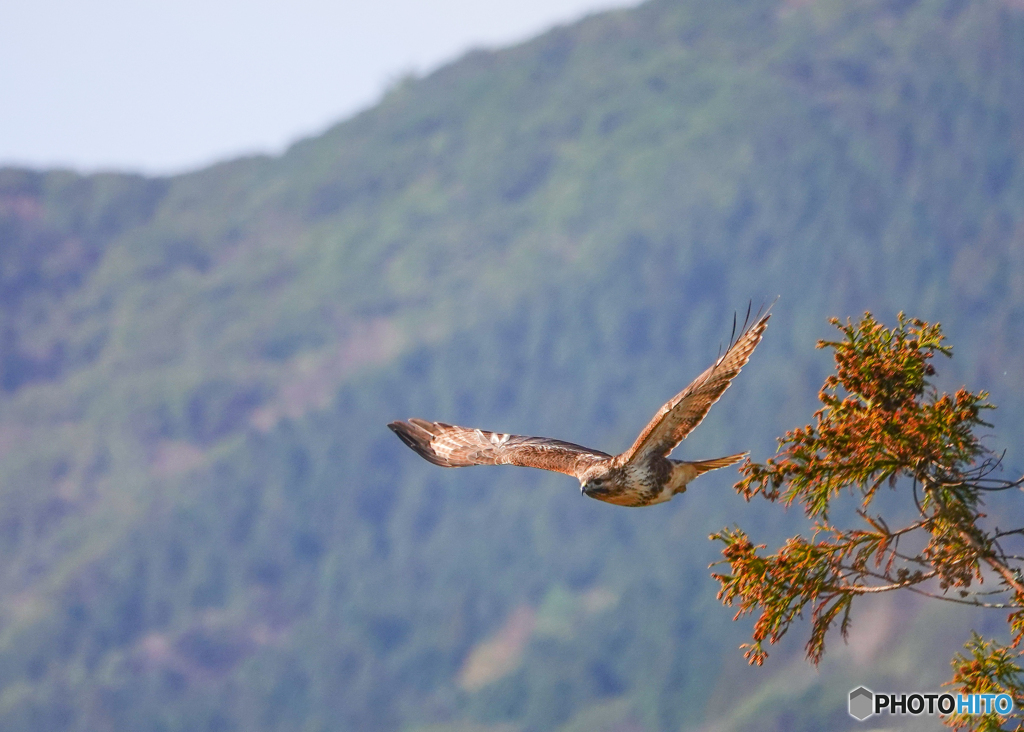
594 485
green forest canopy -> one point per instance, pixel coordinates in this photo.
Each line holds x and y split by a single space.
206 524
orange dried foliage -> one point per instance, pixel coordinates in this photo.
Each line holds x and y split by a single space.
880 423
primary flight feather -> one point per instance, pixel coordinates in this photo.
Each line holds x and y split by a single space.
640 476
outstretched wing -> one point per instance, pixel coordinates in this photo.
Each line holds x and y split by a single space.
455 447
685 410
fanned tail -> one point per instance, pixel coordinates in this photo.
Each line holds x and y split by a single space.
703 466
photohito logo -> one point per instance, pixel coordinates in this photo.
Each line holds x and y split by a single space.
861 703
864 703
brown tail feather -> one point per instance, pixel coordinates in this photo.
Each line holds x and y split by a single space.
704 466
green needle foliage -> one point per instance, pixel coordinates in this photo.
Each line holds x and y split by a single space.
882 423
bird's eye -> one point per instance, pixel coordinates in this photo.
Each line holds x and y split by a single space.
596 481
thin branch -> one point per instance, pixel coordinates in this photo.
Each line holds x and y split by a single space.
917 500
961 601
906 582
1004 486
863 590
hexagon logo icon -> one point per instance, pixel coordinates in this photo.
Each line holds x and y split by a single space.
862 703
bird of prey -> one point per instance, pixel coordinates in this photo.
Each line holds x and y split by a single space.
641 476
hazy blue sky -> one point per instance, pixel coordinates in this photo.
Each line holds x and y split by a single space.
166 86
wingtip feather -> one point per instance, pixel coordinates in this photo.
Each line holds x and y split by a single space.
416 435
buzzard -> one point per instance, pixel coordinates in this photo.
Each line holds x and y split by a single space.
641 476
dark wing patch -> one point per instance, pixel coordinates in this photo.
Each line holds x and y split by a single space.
454 447
687 409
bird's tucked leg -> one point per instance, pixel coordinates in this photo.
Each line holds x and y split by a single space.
682 473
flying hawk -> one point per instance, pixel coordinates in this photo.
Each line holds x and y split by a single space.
640 476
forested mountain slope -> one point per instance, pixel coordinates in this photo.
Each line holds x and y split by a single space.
204 521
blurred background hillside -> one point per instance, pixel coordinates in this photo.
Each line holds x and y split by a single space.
204 522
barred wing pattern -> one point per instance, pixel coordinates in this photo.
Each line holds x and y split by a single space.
687 409
452 447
